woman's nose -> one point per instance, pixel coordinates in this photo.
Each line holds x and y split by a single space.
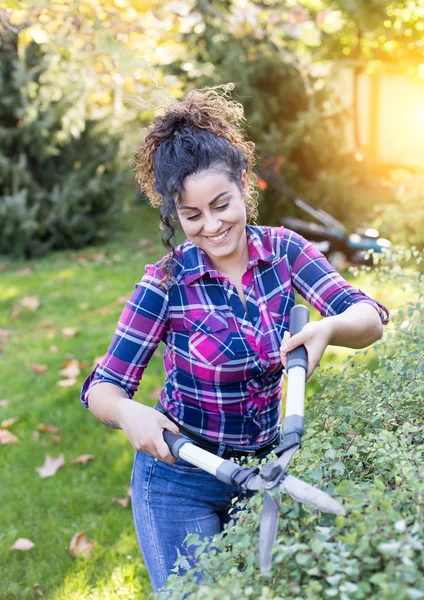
212 224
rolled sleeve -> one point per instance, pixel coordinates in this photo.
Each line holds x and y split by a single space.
320 284
140 329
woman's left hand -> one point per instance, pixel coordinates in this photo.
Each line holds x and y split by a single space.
315 336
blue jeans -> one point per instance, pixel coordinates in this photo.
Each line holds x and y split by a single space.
171 501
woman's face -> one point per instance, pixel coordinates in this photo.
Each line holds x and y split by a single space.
212 214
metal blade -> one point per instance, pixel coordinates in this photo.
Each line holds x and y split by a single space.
286 457
303 492
268 529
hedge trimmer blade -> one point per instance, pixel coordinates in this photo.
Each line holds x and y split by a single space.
268 529
303 492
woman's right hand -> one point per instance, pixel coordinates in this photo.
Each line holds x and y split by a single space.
144 427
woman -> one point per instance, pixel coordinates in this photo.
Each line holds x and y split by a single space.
220 304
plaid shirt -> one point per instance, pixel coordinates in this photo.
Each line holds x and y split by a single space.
222 364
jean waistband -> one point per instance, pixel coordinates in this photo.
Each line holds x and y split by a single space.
214 447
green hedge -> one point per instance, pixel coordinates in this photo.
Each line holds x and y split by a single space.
364 444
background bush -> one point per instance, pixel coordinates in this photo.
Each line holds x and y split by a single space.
364 444
60 177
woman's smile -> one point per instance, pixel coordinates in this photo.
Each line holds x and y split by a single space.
219 238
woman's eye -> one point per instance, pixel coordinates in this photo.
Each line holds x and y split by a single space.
222 206
192 218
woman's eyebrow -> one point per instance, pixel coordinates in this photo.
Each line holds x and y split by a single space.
210 203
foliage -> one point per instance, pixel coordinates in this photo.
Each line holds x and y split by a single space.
401 219
364 444
59 168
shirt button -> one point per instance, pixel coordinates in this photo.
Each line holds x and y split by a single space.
208 329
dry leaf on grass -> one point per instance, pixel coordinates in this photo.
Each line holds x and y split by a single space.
4 403
69 332
4 334
30 302
37 588
36 436
48 428
80 546
51 466
71 371
83 459
23 544
155 394
53 349
143 242
124 501
39 369
7 437
66 382
98 360
8 422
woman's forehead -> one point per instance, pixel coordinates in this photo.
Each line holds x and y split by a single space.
205 186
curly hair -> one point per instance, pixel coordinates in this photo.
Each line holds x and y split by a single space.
200 132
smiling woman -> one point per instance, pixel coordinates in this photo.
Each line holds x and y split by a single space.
220 303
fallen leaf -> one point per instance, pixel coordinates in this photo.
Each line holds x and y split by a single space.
22 544
7 437
143 242
71 371
48 428
155 394
51 466
36 436
57 439
122 501
4 403
53 349
37 588
47 324
5 333
30 302
8 422
80 546
97 256
151 251
83 459
39 369
25 271
66 382
69 332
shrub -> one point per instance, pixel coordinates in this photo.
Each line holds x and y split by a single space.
364 444
59 170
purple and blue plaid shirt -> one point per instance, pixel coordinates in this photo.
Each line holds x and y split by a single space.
222 364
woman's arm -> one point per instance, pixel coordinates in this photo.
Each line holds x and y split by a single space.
142 425
357 327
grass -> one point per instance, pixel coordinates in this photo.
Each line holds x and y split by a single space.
82 290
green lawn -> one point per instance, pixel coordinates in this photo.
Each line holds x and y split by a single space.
82 290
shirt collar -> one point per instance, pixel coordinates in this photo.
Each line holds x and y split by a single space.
198 264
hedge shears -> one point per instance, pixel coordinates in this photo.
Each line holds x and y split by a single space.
273 474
